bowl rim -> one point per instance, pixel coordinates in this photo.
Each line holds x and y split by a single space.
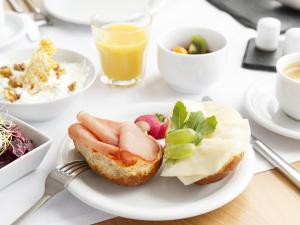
48 141
184 28
80 91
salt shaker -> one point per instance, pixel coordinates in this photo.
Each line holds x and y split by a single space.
268 32
292 41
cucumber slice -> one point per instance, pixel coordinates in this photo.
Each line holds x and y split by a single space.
182 136
180 151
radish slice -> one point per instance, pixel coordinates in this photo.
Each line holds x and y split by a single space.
163 128
155 125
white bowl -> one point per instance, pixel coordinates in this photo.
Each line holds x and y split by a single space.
191 73
30 160
46 110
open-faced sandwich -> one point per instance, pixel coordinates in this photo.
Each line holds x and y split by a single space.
118 151
205 142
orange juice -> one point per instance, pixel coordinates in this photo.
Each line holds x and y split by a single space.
122 48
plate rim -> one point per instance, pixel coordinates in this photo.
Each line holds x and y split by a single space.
261 120
17 35
152 215
61 16
80 21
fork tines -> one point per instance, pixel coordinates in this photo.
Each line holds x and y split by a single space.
74 167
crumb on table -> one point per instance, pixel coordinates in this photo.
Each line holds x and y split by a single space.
5 71
19 66
72 86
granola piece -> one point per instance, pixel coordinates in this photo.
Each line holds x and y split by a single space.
5 71
10 95
72 86
15 82
19 66
58 71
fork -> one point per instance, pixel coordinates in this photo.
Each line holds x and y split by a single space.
56 181
38 16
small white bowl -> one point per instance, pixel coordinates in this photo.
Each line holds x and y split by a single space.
47 110
30 160
186 73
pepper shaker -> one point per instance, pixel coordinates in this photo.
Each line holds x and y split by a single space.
292 41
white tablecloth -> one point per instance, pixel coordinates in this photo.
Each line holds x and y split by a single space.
66 209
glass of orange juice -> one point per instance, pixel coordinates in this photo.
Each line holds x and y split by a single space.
122 48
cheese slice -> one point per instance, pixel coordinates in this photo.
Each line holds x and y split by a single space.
221 111
230 138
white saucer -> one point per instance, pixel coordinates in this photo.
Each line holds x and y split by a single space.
14 29
81 11
264 109
161 198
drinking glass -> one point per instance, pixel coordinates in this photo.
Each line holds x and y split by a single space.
122 46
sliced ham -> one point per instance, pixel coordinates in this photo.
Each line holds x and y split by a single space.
133 140
121 140
115 125
81 135
105 130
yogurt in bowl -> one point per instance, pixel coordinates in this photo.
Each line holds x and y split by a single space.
38 84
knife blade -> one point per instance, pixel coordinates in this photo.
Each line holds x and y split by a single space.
290 172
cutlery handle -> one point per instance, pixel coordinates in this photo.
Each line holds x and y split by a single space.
16 6
289 171
32 209
33 6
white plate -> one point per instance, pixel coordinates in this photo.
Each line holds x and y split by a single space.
81 11
264 109
14 29
162 198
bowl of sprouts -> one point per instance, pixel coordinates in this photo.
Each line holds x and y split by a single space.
22 148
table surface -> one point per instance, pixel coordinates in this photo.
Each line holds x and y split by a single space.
269 199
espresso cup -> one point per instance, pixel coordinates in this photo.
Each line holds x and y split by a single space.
287 89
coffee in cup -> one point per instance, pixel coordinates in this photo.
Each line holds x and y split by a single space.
293 71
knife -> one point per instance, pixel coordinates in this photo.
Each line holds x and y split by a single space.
32 29
272 157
